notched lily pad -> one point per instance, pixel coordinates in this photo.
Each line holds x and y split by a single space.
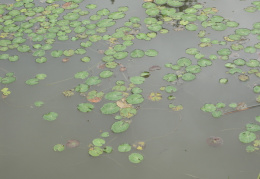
120 126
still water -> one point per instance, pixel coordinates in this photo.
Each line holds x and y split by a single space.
175 141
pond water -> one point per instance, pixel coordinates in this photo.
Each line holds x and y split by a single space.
177 143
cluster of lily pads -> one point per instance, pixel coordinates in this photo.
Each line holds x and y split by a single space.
251 135
36 30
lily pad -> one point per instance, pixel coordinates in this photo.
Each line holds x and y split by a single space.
98 142
58 147
137 53
151 53
120 126
81 75
94 80
135 157
170 77
32 81
247 137
137 80
85 107
128 112
188 76
51 116
114 95
109 108
256 89
124 148
95 151
209 108
38 103
155 96
252 127
135 99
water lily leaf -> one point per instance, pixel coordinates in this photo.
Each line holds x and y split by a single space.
56 53
106 74
32 81
137 80
174 3
38 103
41 60
104 134
257 118
224 51
184 61
114 96
109 108
243 31
94 80
94 96
151 53
127 112
51 116
98 142
256 89
253 63
23 48
176 108
152 11
119 126
41 76
124 148
108 149
189 17
135 99
82 88
135 157
219 26
81 75
252 127
170 77
209 108
68 53
237 47
137 53
193 69
247 137
223 80
8 79
111 64
116 15
155 96
95 151
58 148
235 70
239 62
120 55
192 51
155 27
243 77
216 114
250 49
85 107
170 89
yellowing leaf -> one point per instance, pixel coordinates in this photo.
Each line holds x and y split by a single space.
155 96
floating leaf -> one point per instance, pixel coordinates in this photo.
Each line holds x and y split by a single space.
109 108
135 99
247 137
124 148
104 134
106 74
253 63
188 76
38 103
32 81
252 127
81 75
135 157
209 108
243 77
95 151
120 126
98 142
114 95
94 80
58 148
50 116
224 51
85 107
170 77
8 79
137 80
137 53
155 96
256 89
151 53
82 88
128 112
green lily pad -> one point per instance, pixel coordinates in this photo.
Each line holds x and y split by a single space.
108 149
257 118
116 15
114 95
250 49
32 81
94 80
41 60
216 114
151 53
135 99
51 116
239 62
137 53
223 80
111 64
188 76
120 55
192 51
98 142
155 27
38 103
243 31
209 108
128 112
119 126
170 77
184 61
106 74
252 127
219 26
124 148
191 27
256 89
23 48
82 88
152 11
41 76
8 79
193 69
253 63
104 134
56 53
58 148
135 157
224 51
109 108
137 80
95 151
247 137
85 107
81 75
174 3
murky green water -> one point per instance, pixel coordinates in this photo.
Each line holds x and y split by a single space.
175 141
